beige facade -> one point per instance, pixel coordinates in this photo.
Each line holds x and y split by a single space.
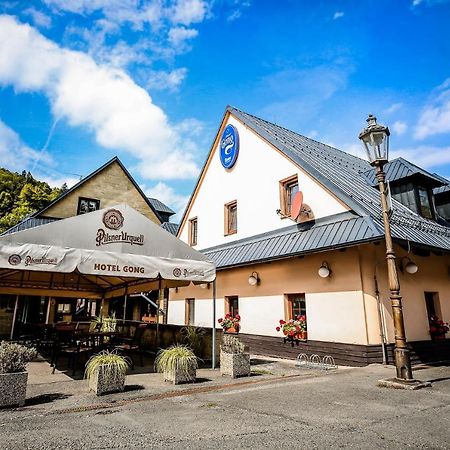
111 186
341 308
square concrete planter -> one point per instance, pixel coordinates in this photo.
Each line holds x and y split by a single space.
13 389
104 382
178 376
235 364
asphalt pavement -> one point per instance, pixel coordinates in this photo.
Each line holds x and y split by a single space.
280 407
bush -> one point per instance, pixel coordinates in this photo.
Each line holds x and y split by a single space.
14 357
116 365
176 358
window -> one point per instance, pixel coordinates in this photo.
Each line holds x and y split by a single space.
295 305
444 210
231 218
87 205
193 230
232 305
288 188
432 305
416 198
189 311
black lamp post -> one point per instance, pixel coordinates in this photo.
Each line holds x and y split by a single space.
375 138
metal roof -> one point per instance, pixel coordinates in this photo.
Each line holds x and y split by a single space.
159 206
334 232
342 174
444 188
400 168
172 228
28 222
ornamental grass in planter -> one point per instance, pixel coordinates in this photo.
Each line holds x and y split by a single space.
13 374
234 357
178 363
106 372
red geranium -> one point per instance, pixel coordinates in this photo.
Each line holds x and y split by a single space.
230 322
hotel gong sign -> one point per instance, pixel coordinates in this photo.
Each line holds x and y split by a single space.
229 146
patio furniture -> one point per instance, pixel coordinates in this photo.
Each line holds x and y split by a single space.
72 350
133 345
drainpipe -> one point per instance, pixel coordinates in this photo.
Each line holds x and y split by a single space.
380 321
213 340
16 305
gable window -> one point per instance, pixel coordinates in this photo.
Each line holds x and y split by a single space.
231 218
288 189
87 205
193 230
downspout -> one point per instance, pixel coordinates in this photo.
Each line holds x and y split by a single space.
381 320
213 340
16 306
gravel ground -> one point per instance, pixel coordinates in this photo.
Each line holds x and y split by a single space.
279 407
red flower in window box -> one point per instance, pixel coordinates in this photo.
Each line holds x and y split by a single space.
438 328
294 330
230 324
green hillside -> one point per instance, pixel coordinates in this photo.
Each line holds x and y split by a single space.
20 195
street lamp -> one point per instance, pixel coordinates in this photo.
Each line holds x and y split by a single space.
375 138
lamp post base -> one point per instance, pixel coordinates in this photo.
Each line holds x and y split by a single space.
398 383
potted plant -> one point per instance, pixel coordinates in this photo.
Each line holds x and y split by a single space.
178 363
294 330
234 357
193 337
438 328
13 374
106 372
230 324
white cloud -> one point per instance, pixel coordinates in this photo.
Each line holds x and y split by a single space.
58 181
399 127
338 15
38 17
15 154
187 12
171 80
178 35
167 195
435 118
104 100
393 108
425 156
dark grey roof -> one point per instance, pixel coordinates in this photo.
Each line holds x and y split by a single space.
29 222
330 233
171 227
342 174
444 188
159 206
400 168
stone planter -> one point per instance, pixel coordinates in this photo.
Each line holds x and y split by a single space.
234 364
13 389
178 376
103 382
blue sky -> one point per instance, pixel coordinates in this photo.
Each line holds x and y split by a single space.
84 80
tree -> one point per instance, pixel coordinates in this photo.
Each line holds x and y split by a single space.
21 195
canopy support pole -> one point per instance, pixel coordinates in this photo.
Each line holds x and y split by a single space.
158 309
125 304
213 340
16 306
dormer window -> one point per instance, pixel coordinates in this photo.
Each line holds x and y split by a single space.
416 198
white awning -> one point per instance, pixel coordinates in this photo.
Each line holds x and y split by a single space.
113 248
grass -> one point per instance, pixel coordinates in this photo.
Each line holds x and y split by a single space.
261 372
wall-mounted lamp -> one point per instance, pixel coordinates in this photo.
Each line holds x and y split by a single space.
410 266
254 279
205 286
324 270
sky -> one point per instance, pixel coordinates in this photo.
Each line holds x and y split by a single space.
149 80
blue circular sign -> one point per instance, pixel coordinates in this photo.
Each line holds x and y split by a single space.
229 146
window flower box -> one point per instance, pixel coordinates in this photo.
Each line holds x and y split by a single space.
294 330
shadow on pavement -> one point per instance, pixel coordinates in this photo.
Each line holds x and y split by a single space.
45 398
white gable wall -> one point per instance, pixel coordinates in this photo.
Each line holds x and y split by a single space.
254 183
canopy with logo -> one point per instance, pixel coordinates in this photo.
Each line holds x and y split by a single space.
101 254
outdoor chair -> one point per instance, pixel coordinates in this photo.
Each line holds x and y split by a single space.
72 351
133 345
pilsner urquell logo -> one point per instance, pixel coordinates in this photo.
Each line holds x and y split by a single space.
113 219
